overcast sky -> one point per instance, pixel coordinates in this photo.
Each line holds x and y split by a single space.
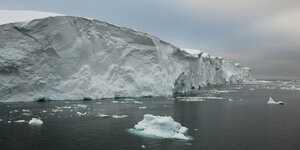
261 34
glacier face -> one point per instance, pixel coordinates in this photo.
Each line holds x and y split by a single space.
66 57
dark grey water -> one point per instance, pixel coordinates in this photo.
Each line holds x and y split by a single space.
246 122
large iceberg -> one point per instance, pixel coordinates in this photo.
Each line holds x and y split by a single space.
160 126
67 57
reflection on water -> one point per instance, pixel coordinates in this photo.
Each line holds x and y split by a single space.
226 117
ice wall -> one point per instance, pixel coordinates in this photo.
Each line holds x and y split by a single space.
67 57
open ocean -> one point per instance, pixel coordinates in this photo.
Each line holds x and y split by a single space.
228 117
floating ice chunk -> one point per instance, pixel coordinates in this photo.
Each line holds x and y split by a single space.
1 120
137 102
143 107
66 107
9 121
103 115
26 114
119 116
143 146
81 106
115 102
35 121
25 110
230 100
160 126
19 121
190 99
271 101
80 114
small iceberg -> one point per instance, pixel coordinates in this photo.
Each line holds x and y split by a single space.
35 121
161 127
271 101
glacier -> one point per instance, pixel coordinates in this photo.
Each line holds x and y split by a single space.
160 126
75 58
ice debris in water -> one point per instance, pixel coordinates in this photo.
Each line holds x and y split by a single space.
35 121
119 116
160 126
82 106
19 121
103 115
143 107
143 146
81 114
271 101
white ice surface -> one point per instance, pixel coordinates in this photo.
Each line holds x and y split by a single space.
119 116
66 57
35 121
11 16
271 101
160 126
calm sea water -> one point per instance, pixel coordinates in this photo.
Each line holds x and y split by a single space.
245 121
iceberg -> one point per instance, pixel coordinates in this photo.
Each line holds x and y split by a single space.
271 101
74 58
35 122
160 126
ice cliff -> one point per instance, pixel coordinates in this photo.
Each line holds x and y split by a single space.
66 57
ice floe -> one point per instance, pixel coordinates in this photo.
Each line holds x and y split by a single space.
119 116
19 121
81 114
230 100
271 101
143 107
190 99
102 115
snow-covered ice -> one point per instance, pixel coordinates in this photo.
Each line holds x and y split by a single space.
271 101
35 121
72 58
10 16
160 126
81 114
190 99
230 100
19 121
143 107
119 116
102 115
